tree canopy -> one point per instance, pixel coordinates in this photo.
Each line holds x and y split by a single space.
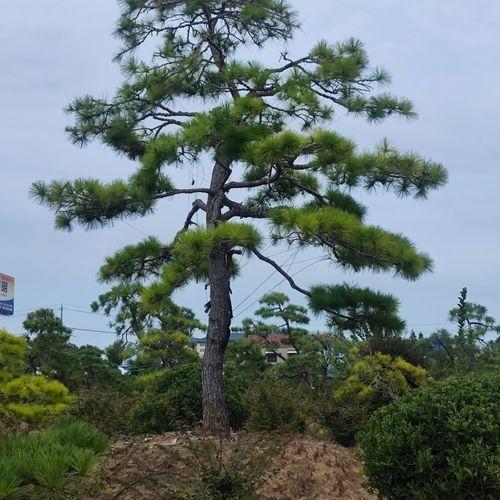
190 97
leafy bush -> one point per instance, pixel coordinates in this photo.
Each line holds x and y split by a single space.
173 401
107 409
277 406
442 441
12 356
380 376
344 417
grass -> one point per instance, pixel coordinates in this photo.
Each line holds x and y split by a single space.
10 480
83 461
48 458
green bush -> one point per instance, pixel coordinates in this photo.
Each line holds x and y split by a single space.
344 416
172 401
107 409
277 406
34 399
442 441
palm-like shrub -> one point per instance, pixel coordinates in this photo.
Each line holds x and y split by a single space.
46 459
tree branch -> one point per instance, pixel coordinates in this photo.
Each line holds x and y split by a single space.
243 211
282 272
197 205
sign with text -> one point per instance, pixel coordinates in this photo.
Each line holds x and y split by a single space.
6 295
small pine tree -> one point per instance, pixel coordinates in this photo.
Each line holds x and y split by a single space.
31 399
151 337
192 100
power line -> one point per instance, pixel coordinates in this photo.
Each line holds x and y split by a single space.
277 285
258 287
89 330
133 227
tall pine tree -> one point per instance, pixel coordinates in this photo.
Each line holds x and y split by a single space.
189 97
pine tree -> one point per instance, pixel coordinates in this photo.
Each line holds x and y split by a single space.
263 129
151 338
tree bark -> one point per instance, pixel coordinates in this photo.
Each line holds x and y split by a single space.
215 410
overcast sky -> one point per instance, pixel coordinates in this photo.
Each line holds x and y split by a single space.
443 55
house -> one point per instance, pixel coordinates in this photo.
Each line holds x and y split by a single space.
274 346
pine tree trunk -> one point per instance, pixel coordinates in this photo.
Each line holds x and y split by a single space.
215 410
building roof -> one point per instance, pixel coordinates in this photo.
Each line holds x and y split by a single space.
274 338
233 338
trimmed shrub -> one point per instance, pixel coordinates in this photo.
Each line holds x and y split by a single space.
381 377
34 399
442 441
173 401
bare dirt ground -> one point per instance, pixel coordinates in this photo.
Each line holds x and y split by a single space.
304 468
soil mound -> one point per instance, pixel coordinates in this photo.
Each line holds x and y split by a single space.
302 468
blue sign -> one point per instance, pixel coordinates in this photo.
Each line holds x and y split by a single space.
6 295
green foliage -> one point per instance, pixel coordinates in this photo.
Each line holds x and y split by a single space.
352 244
83 461
51 354
382 377
34 399
407 348
344 416
163 329
12 356
187 97
275 406
107 409
244 363
10 480
361 311
135 262
173 401
70 432
474 346
438 442
46 459
51 468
